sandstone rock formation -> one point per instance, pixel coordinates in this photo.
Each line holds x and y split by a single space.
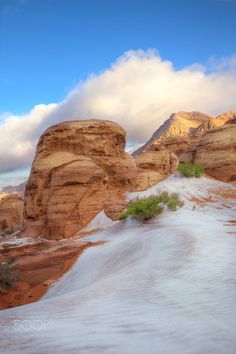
40 263
196 137
11 213
179 124
153 166
216 151
183 128
80 168
175 144
215 122
2 195
212 145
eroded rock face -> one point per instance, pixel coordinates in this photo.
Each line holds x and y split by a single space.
196 137
181 124
175 144
215 122
182 146
80 168
40 263
154 165
11 213
216 151
185 128
214 148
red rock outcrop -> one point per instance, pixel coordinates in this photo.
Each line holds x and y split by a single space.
39 264
196 137
79 169
184 128
11 213
154 166
215 122
216 151
179 124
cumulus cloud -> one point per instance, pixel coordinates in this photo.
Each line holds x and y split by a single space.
19 134
139 91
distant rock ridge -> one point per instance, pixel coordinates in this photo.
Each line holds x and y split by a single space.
184 124
212 143
19 190
216 151
179 124
215 122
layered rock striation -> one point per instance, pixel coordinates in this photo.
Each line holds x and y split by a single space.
11 213
154 166
80 168
183 128
216 151
179 125
198 138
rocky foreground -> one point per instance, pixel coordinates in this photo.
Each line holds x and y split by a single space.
40 262
166 286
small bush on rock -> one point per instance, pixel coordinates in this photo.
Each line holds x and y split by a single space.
9 276
152 206
190 169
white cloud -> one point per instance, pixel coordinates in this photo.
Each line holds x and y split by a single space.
19 135
139 91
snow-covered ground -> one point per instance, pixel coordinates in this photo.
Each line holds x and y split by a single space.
163 286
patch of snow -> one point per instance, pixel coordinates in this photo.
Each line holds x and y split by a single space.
197 187
164 286
101 221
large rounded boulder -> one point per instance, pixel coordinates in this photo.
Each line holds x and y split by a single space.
79 169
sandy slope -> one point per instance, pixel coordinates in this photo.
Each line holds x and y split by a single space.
166 286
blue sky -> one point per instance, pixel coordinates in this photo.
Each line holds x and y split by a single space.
74 59
48 46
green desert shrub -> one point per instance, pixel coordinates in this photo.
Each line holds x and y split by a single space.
152 206
9 276
191 169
